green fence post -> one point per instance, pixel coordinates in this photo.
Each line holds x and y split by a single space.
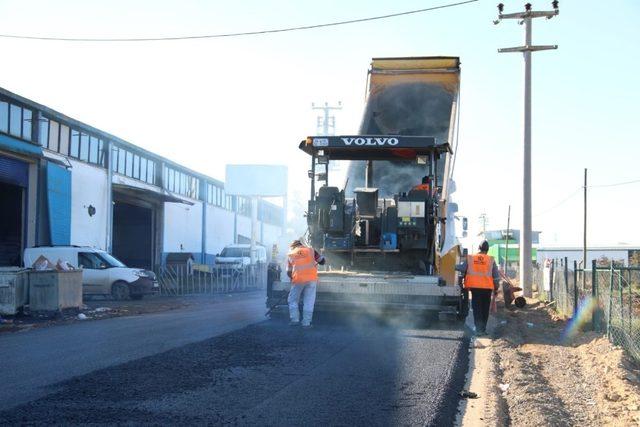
610 301
575 288
630 304
594 295
552 281
621 300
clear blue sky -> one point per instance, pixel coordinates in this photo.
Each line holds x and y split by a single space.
247 100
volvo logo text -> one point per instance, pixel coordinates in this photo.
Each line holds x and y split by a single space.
369 141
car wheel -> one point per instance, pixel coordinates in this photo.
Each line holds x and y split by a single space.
120 291
136 297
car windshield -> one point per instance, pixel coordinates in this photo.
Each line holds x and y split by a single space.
235 252
110 260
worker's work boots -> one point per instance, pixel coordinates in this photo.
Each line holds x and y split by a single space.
306 319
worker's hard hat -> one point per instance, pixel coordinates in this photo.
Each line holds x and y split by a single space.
484 246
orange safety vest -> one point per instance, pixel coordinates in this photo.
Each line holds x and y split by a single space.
479 272
422 187
303 265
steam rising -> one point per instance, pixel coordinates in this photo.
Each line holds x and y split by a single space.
414 109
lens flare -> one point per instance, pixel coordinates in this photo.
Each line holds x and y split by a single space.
584 315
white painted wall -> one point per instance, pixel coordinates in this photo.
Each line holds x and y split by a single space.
219 229
244 226
271 234
89 187
182 227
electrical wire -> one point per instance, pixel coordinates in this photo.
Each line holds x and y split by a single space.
563 201
239 34
616 184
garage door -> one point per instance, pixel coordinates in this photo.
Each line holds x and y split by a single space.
14 171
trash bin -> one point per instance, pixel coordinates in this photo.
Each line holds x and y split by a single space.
14 289
54 290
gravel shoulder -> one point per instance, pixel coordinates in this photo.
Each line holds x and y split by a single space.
535 373
99 308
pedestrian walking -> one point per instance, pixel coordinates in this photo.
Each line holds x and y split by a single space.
482 278
302 269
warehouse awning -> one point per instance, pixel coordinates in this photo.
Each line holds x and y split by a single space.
143 194
9 143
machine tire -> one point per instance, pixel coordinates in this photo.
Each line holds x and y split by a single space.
120 291
137 297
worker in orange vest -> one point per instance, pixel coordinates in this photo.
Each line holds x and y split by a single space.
302 269
425 186
482 278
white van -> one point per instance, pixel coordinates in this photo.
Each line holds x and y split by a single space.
239 255
102 274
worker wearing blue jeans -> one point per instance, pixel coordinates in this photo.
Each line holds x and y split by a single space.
302 269
308 293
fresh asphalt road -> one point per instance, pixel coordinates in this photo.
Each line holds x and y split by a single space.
32 360
204 365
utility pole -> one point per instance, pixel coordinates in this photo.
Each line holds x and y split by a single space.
506 248
484 219
584 230
526 18
326 122
326 125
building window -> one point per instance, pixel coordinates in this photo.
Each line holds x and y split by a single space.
44 132
15 121
181 183
93 149
27 122
129 169
151 177
121 161
54 134
4 116
101 152
64 139
136 166
84 147
75 144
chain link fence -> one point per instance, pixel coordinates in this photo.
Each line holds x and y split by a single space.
605 298
180 280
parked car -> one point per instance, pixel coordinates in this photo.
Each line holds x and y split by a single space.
239 255
102 273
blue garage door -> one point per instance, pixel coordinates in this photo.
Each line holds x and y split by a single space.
14 171
59 201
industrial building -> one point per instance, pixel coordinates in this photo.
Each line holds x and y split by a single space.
63 182
620 255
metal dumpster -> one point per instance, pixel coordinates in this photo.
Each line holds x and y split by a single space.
53 290
14 289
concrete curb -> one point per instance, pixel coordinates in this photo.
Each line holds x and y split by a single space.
476 412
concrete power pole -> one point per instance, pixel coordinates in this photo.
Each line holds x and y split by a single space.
326 125
326 122
484 220
526 18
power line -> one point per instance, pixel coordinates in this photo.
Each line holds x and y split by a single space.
566 199
246 33
616 184
562 202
